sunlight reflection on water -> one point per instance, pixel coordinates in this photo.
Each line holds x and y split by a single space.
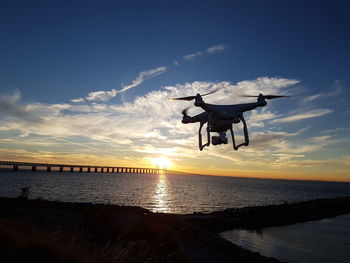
161 195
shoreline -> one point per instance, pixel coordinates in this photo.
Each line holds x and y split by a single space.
112 233
257 217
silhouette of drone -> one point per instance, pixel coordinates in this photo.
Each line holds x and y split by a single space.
220 118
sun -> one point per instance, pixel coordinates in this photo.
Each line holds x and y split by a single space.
161 162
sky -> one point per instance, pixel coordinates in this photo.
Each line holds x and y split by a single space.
88 82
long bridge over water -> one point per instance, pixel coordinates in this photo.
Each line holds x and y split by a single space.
16 166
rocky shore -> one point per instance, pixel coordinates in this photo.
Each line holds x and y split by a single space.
256 217
48 231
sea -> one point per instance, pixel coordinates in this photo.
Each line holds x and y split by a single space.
322 241
170 193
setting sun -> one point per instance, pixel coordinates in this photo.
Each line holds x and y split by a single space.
161 162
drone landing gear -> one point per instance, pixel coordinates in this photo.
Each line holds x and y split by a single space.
201 146
246 137
221 139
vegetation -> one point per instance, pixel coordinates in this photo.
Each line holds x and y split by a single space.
46 231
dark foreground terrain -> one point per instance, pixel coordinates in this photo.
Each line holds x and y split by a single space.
47 231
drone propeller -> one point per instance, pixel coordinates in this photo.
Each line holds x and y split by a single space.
193 97
268 97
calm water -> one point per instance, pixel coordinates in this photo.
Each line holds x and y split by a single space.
323 241
165 193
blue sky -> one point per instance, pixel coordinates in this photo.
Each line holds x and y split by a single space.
95 75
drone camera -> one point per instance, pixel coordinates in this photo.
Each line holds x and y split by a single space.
217 140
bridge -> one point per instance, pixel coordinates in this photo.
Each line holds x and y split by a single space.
16 166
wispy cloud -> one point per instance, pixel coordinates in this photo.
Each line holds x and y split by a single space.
107 95
143 76
312 97
335 90
303 115
77 100
210 50
101 95
192 56
216 48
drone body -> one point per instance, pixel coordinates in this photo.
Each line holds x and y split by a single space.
220 118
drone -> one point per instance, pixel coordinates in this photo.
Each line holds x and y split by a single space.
220 118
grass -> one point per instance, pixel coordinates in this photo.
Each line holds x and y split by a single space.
55 232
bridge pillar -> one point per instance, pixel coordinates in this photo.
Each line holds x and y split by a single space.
101 169
15 167
95 171
33 168
71 169
107 170
113 170
80 169
61 169
89 169
48 168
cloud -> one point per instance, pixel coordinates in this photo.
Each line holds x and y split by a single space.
210 50
335 90
143 75
312 97
256 117
107 95
159 118
216 48
151 125
77 100
303 115
192 56
101 95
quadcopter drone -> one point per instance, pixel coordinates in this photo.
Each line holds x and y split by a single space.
220 118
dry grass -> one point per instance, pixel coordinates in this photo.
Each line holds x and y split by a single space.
21 242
